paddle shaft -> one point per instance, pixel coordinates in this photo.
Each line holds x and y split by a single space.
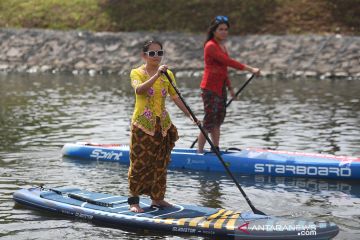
230 101
213 147
239 91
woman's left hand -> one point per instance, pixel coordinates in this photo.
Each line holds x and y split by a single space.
232 93
197 122
256 71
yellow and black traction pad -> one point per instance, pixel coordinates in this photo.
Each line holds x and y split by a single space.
223 219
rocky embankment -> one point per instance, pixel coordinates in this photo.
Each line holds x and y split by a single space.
79 52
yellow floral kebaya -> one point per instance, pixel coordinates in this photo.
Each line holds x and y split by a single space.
152 104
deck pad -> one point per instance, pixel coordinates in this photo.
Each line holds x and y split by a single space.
120 205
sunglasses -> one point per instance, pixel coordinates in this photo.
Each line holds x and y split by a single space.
220 19
159 53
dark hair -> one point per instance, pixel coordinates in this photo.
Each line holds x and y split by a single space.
147 44
212 28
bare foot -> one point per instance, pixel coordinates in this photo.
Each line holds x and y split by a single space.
136 208
161 203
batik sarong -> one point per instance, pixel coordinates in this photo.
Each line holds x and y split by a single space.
215 109
149 158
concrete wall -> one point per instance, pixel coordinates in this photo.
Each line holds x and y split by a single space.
34 50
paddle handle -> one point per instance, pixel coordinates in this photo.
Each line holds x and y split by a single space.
213 146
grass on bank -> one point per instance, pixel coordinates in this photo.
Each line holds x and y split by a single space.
52 14
246 16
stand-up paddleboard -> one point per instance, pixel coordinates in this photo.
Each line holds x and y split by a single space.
246 161
113 211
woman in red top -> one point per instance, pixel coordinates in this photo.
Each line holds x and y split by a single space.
215 79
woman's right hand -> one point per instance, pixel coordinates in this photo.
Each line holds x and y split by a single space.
161 69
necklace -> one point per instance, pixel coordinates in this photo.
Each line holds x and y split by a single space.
146 71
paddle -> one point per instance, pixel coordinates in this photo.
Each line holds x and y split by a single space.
78 197
213 147
228 103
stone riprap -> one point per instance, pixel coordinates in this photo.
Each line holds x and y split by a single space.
81 52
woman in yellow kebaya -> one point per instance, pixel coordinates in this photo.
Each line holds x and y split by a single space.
153 135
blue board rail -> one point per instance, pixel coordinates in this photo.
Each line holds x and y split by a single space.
247 161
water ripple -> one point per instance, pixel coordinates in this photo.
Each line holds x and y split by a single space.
39 114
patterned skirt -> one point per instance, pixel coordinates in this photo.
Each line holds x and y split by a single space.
215 109
149 158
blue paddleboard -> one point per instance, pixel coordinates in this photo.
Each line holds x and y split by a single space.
113 211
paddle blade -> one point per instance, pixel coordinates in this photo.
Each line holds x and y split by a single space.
258 212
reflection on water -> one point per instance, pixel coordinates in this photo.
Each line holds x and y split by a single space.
38 114
297 115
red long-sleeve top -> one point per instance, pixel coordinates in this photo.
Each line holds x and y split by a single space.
216 63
